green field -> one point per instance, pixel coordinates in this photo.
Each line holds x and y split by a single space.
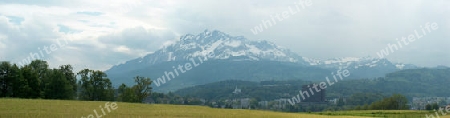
384 113
20 108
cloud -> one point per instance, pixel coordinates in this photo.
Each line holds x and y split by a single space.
103 33
42 26
24 38
90 13
138 38
66 29
15 20
33 2
135 42
2 43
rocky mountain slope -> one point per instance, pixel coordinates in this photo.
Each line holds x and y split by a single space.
235 57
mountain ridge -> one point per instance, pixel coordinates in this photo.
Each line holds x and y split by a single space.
191 46
227 48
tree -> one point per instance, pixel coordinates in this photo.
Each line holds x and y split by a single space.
58 87
358 108
401 101
20 86
33 87
40 67
142 87
127 94
67 71
95 86
435 106
395 102
365 107
254 103
138 92
36 80
428 107
5 80
340 102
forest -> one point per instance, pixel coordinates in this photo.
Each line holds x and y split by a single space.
37 80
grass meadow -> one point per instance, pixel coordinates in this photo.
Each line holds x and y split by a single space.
384 113
32 108
36 108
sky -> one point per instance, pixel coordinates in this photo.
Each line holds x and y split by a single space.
98 34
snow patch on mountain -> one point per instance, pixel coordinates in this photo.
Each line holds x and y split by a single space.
238 48
233 43
222 45
352 62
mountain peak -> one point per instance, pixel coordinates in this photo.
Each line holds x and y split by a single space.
240 52
238 48
224 46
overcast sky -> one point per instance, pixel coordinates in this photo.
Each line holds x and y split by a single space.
102 33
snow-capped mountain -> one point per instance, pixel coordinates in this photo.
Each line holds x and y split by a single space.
235 57
222 46
238 48
355 63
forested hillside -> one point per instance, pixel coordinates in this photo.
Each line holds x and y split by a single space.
411 83
221 70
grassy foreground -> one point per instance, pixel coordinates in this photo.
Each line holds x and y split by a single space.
31 108
386 113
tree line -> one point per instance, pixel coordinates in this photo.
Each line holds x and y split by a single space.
395 102
37 80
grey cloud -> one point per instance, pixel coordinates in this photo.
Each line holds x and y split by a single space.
26 38
326 29
138 38
34 2
90 13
